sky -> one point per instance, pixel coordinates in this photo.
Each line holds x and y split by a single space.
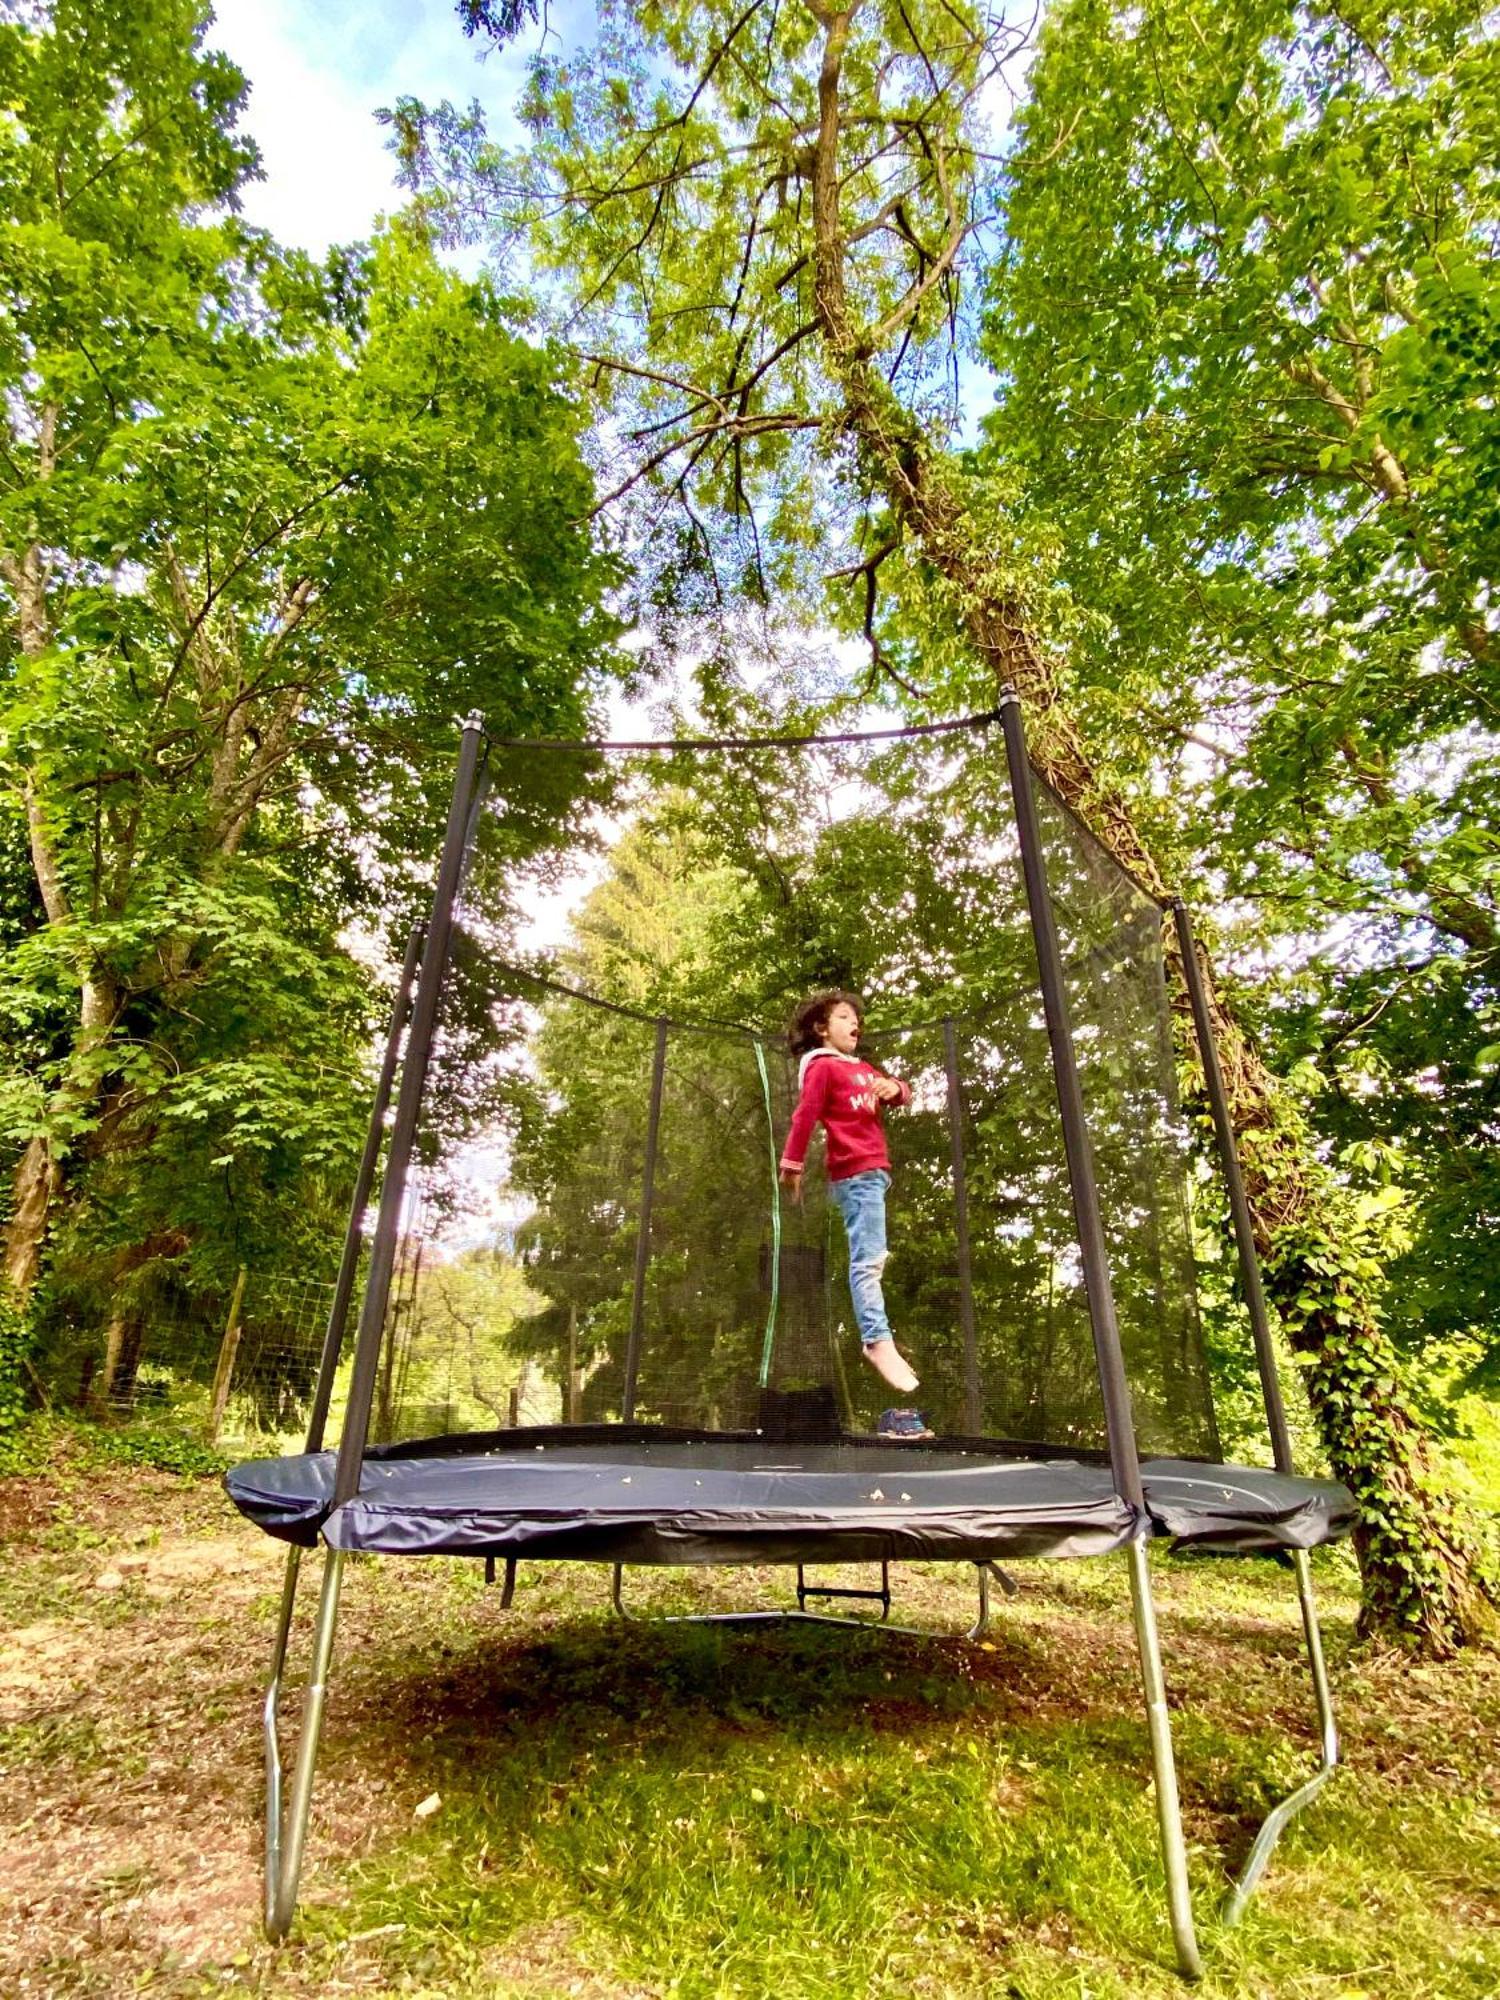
318 72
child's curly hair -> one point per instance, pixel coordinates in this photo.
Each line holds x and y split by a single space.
802 1034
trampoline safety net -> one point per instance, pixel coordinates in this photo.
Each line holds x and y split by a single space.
630 1255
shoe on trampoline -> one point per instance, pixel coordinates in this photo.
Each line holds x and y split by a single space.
907 1425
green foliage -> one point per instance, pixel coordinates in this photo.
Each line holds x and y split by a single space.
451 1360
15 1348
266 528
163 1448
1243 329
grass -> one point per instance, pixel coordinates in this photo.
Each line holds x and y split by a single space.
647 1809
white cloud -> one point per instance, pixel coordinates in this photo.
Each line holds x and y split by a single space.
318 71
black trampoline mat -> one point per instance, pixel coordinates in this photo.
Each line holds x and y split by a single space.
723 1499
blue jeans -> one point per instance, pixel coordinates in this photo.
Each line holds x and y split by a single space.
861 1202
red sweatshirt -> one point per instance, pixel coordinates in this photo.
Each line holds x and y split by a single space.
840 1090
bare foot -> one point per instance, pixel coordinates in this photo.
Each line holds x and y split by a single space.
891 1365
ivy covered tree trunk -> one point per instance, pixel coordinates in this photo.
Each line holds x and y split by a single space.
1427 1574
758 217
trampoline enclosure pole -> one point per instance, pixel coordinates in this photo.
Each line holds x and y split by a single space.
1163 1766
1118 1421
1234 1180
972 1415
643 1229
364 1180
404 1130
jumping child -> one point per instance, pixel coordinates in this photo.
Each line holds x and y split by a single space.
846 1092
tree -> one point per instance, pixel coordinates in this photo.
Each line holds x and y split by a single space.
1247 324
266 528
757 218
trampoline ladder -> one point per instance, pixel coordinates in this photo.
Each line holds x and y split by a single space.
882 1597
984 1571
781 1615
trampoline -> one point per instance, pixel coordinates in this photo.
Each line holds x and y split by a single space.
635 1494
697 1409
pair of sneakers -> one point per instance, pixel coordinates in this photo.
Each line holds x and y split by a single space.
907 1426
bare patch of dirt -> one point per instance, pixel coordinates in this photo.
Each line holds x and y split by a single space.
129 1738
545 1962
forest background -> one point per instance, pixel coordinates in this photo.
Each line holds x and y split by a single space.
702 430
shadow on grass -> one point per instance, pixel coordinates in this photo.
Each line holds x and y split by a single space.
778 1809
635 1679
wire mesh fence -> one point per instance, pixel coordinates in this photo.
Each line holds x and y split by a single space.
241 1372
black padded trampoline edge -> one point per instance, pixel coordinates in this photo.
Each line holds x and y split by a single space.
1233 1509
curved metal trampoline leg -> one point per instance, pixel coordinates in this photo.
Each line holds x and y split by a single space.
286 1833
1164 1768
617 1584
1278 1818
984 1571
981 1624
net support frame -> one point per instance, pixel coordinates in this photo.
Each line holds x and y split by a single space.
1234 1180
419 1038
972 1410
364 1181
1119 1424
427 948
1124 1459
643 1225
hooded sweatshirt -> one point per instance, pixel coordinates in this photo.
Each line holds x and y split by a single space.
840 1090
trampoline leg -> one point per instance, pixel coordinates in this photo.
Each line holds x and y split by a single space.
286 1834
981 1624
508 1588
1277 1820
984 1571
617 1584
1168 1808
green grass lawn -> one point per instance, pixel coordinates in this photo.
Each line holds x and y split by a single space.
643 1809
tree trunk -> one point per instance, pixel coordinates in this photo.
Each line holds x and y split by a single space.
1426 1574
36 1182
39 1175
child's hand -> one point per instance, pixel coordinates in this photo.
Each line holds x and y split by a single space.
886 1088
791 1177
